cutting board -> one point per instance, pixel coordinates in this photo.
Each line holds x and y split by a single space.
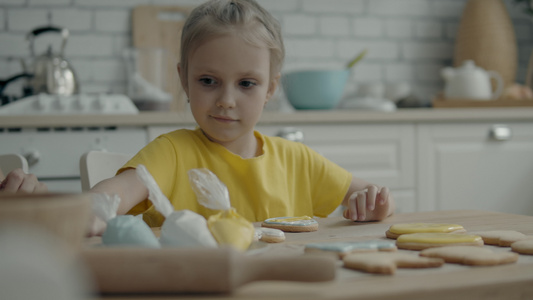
160 27
181 270
440 102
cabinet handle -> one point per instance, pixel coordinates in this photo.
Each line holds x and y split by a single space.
291 134
500 133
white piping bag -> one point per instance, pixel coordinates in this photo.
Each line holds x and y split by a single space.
228 227
123 230
182 228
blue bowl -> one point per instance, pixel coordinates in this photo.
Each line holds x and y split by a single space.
316 89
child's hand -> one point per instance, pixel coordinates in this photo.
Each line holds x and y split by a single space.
18 181
96 226
370 204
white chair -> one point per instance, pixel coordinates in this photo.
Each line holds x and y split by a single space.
12 161
96 166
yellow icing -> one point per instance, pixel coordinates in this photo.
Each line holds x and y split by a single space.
438 238
423 227
230 228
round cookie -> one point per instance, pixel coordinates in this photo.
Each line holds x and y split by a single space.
470 255
387 262
523 246
502 238
420 241
270 235
405 228
292 224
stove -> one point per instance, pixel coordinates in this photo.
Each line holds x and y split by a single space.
45 104
53 153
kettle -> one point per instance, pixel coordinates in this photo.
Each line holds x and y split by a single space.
471 82
52 73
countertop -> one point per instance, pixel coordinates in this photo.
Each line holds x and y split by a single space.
416 115
451 281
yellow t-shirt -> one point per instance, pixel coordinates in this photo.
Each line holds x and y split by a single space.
288 179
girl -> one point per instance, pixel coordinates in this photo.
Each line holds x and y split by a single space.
231 59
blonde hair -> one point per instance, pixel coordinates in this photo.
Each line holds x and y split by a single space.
244 18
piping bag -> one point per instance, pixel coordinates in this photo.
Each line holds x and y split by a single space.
123 230
227 226
182 228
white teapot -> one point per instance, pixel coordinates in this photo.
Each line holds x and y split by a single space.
471 82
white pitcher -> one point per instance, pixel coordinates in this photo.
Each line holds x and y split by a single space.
471 82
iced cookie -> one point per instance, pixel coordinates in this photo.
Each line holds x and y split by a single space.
292 224
342 249
405 228
387 263
523 246
471 255
270 235
419 241
502 238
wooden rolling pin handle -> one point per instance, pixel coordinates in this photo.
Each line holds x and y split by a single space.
127 271
305 268
168 270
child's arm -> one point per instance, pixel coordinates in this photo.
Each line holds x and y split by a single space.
130 190
367 202
127 186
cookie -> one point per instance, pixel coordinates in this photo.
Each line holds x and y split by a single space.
471 255
502 238
388 262
292 224
405 228
342 249
419 241
523 246
270 235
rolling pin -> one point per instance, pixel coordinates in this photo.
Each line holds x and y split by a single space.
181 270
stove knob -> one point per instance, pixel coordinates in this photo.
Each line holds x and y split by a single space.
32 157
79 103
101 103
61 103
40 102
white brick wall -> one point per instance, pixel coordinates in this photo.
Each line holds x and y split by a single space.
407 40
75 19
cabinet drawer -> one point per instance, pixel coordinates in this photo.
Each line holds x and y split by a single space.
382 154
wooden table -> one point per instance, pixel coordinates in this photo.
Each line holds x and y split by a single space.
513 281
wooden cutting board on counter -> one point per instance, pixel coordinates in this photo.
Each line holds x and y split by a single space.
160 27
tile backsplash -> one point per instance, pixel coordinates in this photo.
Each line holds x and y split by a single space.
407 40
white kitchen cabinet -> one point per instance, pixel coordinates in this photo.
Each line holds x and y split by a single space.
475 166
380 153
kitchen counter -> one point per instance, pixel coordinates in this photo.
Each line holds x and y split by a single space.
418 115
452 281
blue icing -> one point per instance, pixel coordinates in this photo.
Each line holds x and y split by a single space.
350 246
128 230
